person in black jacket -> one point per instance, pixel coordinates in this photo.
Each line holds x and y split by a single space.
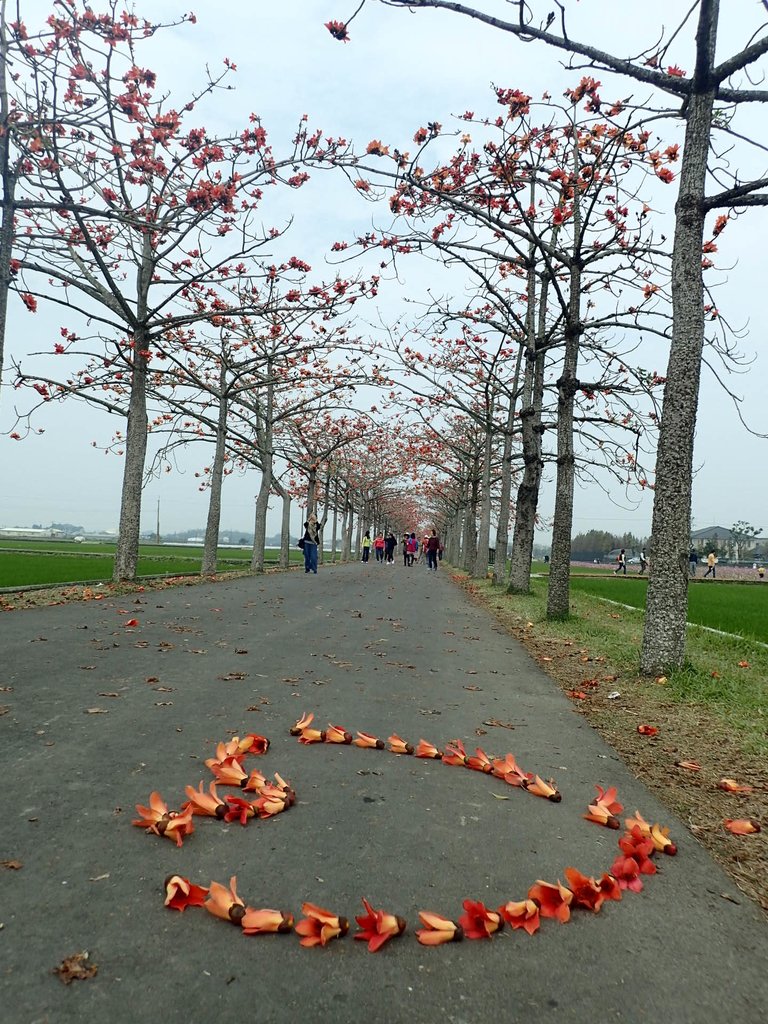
311 544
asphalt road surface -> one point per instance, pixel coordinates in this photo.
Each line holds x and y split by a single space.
100 713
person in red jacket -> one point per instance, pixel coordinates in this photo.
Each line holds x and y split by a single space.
433 547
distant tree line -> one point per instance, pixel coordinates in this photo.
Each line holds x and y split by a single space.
586 547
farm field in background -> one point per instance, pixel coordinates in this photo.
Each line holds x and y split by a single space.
41 562
741 609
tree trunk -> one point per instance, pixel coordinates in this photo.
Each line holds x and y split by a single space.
127 552
505 484
211 543
266 456
9 186
335 527
558 592
285 525
469 544
663 645
480 568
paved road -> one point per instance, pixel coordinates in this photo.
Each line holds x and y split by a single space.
377 648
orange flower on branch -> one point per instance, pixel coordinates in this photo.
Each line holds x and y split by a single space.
478 922
365 739
377 927
319 926
337 734
398 745
553 900
224 902
303 723
180 893
207 804
338 30
437 930
265 922
424 749
158 819
742 826
522 914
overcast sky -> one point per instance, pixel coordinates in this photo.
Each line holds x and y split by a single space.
400 70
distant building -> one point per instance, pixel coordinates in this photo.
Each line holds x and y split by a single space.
31 533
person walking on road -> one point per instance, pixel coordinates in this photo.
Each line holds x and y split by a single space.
389 546
433 546
693 561
711 563
378 547
311 543
366 546
621 558
404 542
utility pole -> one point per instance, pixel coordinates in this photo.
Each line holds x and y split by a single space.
157 531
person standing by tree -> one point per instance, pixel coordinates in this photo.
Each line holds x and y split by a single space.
643 562
711 563
433 546
693 561
311 544
621 558
367 546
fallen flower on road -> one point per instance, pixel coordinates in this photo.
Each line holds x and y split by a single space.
319 926
377 927
604 810
76 968
455 754
180 893
365 739
425 749
576 694
478 922
337 734
398 745
586 891
437 930
691 766
303 723
742 826
158 819
265 922
521 914
545 789
207 804
224 902
553 900
659 836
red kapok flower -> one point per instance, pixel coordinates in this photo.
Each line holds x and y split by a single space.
509 770
521 914
553 900
337 734
478 921
207 804
742 826
586 891
365 739
455 754
424 749
437 929
541 788
338 30
265 922
228 772
303 723
180 893
626 871
240 810
479 762
158 819
224 902
377 927
398 745
252 743
320 926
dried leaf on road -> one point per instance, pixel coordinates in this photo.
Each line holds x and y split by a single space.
232 675
76 968
498 724
96 711
473 689
11 865
105 693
